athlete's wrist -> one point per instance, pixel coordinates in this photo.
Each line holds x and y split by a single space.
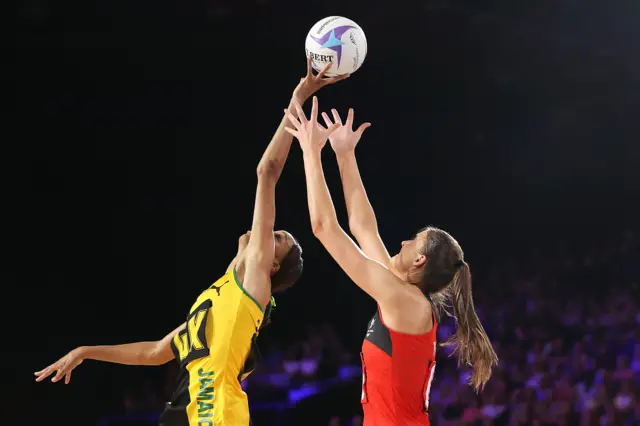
345 156
300 96
81 352
312 153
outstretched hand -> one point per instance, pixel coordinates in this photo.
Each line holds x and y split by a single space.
344 139
311 83
63 367
311 134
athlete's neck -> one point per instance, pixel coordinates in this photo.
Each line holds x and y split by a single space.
237 260
238 264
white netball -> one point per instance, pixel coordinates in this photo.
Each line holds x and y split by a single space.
338 40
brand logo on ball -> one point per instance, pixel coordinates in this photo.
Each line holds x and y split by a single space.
332 40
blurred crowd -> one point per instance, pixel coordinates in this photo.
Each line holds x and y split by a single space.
567 330
564 321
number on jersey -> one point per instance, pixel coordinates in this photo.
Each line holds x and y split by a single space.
192 341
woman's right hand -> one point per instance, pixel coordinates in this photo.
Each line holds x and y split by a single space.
63 367
311 83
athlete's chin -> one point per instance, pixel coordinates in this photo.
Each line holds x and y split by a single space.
244 239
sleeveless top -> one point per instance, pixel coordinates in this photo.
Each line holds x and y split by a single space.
397 370
216 351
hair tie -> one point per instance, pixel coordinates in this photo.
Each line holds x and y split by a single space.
459 264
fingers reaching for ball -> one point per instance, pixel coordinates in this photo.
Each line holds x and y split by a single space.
344 139
302 118
321 78
330 80
311 83
311 134
309 66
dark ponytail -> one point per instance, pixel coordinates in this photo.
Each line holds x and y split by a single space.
471 343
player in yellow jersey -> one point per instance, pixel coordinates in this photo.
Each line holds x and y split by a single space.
215 346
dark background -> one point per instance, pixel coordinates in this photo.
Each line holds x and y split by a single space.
139 125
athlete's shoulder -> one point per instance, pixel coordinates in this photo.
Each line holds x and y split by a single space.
231 288
225 287
228 279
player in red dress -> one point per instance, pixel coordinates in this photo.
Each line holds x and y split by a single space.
399 351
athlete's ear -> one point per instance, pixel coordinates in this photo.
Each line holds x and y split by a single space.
420 261
275 268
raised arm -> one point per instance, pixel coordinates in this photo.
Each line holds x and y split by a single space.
274 157
371 276
362 219
140 353
260 248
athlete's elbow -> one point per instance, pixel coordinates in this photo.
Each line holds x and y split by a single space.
155 354
316 227
321 227
145 356
359 226
269 169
